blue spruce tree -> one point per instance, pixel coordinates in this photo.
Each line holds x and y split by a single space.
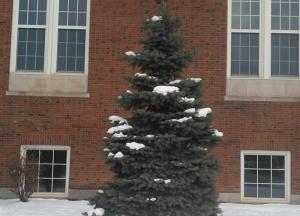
160 155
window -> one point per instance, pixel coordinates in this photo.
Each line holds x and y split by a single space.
263 50
50 38
260 29
31 35
36 22
53 168
245 37
265 176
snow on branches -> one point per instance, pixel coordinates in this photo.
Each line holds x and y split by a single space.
130 53
135 146
199 112
156 18
218 133
117 119
119 128
164 90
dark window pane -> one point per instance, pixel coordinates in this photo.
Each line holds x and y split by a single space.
23 18
42 5
254 54
59 185
250 176
264 176
250 190
41 18
21 48
60 157
32 156
21 63
32 35
41 35
72 19
32 18
275 68
80 50
254 67
30 63
264 161
80 65
276 8
23 5
250 161
72 50
72 36
33 5
40 49
62 36
63 18
278 176
245 67
82 4
235 39
245 53
81 36
235 53
62 49
61 64
278 191
264 190
40 63
236 8
45 171
235 67
31 49
278 162
82 19
59 171
63 5
22 35
235 22
71 64
255 22
73 5
255 8
46 156
44 185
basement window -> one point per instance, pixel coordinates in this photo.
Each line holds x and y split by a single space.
265 176
53 169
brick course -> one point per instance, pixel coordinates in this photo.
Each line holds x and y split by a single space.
81 123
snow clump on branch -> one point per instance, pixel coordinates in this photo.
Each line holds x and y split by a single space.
117 119
130 53
135 146
164 90
156 18
119 128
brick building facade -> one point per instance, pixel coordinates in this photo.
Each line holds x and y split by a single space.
62 116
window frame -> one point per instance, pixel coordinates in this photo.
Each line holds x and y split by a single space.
25 148
265 31
287 169
51 40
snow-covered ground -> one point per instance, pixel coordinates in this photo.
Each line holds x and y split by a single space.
46 207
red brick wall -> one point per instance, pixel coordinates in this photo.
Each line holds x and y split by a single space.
80 123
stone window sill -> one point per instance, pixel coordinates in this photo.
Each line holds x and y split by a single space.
242 89
49 85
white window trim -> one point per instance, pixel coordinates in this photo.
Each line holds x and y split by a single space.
23 150
51 37
264 43
287 156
